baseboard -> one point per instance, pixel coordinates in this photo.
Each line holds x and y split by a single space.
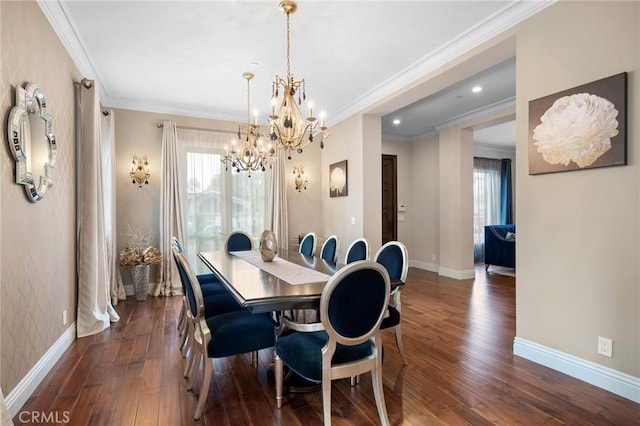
451 273
603 377
431 267
457 274
21 393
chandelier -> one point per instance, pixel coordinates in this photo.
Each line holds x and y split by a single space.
290 130
251 154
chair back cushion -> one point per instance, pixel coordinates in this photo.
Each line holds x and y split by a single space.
329 249
393 256
238 241
307 244
359 250
189 284
354 301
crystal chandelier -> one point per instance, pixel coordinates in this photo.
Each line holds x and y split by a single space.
252 154
290 130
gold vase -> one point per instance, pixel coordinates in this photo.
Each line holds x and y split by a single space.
268 246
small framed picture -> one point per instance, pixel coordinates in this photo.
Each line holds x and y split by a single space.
338 183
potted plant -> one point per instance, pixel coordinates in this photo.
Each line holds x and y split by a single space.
139 255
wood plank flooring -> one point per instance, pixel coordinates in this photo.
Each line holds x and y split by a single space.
458 336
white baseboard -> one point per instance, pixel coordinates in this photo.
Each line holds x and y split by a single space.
431 267
457 274
603 377
451 273
23 390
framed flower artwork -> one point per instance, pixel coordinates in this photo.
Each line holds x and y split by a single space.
579 128
338 184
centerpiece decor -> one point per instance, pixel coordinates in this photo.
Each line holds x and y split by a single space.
268 246
139 255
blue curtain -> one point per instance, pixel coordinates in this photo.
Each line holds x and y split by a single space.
506 203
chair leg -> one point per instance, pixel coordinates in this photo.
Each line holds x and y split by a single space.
354 380
278 372
204 389
398 332
376 379
181 319
326 399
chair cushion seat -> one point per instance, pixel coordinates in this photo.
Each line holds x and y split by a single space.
302 353
212 287
392 320
239 332
220 304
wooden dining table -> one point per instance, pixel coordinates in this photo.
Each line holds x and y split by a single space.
253 285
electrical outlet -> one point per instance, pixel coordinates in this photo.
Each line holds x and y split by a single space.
64 317
605 346
433 257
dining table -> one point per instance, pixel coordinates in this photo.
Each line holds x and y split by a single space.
290 281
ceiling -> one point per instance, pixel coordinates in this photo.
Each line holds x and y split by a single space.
187 57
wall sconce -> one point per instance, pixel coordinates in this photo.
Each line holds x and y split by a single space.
140 170
301 179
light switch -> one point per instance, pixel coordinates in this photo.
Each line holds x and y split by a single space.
353 220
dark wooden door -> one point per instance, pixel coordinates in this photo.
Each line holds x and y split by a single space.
389 198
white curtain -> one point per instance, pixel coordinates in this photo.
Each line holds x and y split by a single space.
116 287
279 222
486 200
95 310
171 216
216 200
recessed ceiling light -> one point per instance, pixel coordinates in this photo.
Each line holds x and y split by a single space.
254 64
476 89
396 121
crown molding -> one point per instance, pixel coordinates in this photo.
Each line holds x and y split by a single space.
508 16
503 19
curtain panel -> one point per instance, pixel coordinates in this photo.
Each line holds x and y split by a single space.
95 265
278 208
171 216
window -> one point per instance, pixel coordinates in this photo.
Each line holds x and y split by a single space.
217 201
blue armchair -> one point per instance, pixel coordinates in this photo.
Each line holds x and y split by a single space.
500 246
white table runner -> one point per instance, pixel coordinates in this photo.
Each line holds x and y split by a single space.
283 269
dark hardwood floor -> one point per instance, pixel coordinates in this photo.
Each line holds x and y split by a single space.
458 336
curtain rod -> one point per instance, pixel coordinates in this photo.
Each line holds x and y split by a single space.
227 132
84 82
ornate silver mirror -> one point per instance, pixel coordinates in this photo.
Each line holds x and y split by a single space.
32 141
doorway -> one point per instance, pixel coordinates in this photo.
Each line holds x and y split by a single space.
389 198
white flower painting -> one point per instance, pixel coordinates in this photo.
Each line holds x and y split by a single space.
576 128
338 179
580 129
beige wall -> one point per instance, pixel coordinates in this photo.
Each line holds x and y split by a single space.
578 232
37 263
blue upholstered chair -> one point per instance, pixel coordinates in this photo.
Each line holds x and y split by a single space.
223 335
210 285
358 250
308 244
393 256
499 246
346 342
214 304
329 250
238 241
